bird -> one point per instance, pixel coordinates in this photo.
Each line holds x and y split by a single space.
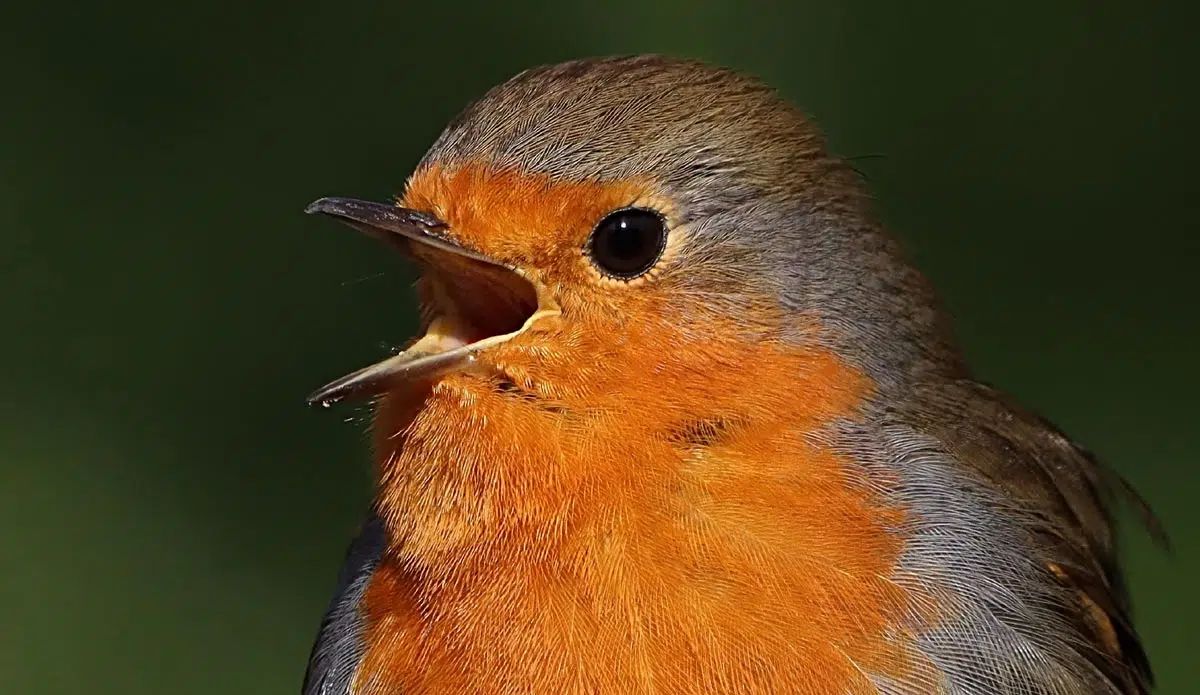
685 419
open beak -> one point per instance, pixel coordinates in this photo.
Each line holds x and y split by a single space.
474 302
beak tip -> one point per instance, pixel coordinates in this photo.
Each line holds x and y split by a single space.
325 397
323 206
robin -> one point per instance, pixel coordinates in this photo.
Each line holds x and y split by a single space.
684 420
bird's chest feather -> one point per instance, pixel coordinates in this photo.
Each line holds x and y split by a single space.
736 555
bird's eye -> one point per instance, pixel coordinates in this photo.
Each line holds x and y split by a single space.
628 242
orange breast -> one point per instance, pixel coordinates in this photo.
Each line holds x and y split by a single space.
661 526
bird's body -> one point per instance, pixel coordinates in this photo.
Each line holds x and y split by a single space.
754 463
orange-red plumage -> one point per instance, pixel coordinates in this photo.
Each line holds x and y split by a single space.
476 589
740 471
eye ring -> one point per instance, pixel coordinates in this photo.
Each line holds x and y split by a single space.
627 242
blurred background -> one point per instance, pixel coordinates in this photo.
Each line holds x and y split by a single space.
174 515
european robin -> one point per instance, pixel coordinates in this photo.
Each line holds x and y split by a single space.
684 420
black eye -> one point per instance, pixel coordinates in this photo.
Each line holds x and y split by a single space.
628 242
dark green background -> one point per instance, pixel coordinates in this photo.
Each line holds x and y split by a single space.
174 515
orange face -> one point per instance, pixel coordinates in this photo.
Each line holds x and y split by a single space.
598 331
628 453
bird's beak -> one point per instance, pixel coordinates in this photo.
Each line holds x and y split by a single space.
476 301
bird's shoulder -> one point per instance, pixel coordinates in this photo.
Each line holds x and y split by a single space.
1016 519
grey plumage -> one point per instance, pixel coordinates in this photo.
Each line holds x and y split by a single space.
340 641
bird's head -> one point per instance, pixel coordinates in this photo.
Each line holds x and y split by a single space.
638 274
